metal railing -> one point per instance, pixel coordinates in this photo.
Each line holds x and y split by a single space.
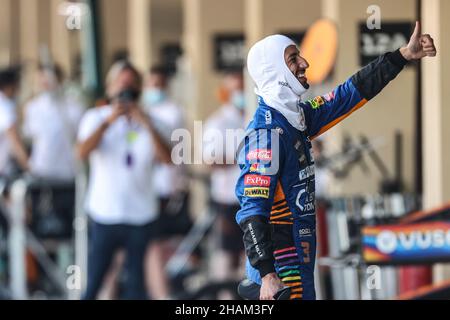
345 218
22 238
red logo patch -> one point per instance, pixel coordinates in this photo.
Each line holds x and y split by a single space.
260 154
257 181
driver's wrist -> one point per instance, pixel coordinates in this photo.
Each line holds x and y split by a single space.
406 53
269 276
265 267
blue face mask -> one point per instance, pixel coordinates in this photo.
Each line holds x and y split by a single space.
152 97
238 100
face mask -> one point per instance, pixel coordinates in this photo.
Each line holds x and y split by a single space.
238 100
152 97
50 80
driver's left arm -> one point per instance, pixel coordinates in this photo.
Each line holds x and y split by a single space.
324 112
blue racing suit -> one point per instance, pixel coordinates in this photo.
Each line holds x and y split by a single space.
277 182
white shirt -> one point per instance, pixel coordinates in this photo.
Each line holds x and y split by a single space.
7 120
168 179
117 193
223 179
52 124
323 179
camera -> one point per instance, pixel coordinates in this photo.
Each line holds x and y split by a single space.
128 96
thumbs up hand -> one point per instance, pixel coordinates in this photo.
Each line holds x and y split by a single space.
419 46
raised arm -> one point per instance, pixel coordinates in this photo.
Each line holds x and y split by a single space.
324 112
91 132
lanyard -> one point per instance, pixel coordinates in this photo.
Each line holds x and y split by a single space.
131 137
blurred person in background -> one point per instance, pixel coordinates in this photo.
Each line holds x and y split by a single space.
10 142
11 145
322 172
230 115
51 121
323 175
170 181
122 146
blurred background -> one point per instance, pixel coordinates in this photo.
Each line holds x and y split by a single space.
383 178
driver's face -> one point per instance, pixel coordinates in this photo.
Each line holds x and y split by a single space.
296 64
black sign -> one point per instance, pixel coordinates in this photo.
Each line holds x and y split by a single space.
376 42
229 52
169 56
296 36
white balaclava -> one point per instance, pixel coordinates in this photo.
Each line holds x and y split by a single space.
275 83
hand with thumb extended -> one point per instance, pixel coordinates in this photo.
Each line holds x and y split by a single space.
419 46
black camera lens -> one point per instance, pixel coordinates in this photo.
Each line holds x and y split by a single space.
128 95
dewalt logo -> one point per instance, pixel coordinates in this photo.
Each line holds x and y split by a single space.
257 193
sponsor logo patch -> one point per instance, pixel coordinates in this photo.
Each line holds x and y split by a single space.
260 154
304 232
257 193
317 102
302 159
257 168
306 173
268 118
306 201
256 180
329 96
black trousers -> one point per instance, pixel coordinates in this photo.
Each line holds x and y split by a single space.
104 241
229 233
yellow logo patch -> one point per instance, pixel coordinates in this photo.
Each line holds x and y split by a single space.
257 193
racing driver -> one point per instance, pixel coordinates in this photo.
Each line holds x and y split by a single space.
276 185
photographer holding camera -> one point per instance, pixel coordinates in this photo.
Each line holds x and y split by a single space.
122 146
